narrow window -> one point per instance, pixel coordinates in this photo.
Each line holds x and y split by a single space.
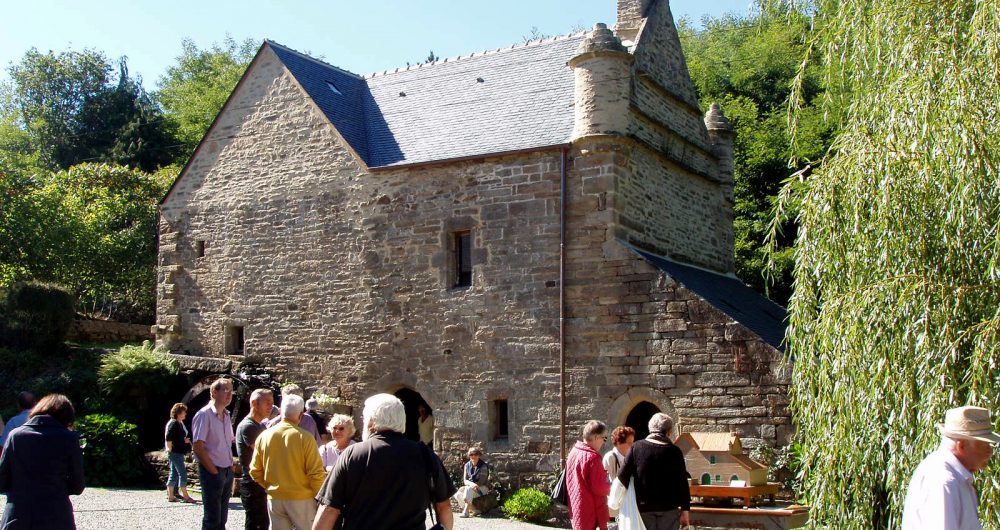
463 259
199 248
711 460
718 478
234 340
501 419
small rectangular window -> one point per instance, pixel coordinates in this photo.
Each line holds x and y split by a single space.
199 248
501 419
234 340
463 259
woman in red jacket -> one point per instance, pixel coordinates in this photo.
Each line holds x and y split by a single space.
586 481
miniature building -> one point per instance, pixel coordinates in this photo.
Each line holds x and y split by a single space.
717 459
505 236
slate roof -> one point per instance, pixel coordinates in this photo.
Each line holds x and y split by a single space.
507 100
765 318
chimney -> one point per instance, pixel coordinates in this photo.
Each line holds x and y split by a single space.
631 13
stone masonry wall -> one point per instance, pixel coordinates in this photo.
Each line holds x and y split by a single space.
634 335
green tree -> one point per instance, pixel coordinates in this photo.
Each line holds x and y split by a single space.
894 318
92 228
748 64
73 109
193 90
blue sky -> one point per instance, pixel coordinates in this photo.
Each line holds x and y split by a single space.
359 36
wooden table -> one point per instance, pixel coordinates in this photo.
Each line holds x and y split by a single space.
745 493
758 518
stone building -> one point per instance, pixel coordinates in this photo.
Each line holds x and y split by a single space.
520 238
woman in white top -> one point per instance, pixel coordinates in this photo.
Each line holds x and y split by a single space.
342 430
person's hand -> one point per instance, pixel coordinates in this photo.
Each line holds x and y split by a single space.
187 440
685 519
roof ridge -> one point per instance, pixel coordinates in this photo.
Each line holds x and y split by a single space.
533 42
310 58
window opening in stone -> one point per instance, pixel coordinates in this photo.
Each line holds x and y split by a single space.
234 340
711 460
718 478
734 477
463 259
199 248
501 419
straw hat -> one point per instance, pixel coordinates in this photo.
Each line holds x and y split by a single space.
969 423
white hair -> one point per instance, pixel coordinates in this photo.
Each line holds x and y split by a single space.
661 423
291 406
385 412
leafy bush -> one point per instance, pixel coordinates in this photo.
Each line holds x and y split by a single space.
110 450
135 368
35 316
528 504
75 376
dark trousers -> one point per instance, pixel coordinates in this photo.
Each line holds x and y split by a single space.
254 499
669 520
215 493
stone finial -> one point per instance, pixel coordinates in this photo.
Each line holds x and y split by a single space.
601 39
715 120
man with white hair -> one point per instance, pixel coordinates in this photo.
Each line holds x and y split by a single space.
286 463
385 482
307 423
941 493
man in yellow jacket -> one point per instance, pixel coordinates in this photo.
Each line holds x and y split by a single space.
286 463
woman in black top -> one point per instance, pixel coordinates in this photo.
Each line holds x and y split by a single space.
178 442
657 471
41 466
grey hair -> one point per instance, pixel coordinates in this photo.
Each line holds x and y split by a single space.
661 423
387 411
593 428
474 451
312 404
341 419
291 406
291 389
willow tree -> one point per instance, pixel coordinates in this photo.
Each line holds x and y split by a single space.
895 314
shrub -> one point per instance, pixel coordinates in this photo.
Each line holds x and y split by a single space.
528 504
110 450
35 316
133 372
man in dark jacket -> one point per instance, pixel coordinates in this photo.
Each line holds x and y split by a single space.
657 471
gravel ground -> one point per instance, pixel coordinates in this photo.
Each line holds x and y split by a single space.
113 509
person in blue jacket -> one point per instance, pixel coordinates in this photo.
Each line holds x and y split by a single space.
41 466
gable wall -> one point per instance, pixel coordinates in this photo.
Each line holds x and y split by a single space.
672 199
634 335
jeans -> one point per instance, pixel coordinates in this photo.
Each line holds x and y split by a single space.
254 500
177 477
668 520
215 493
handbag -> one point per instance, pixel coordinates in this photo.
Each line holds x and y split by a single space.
559 494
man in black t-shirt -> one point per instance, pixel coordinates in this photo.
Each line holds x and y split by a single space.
385 482
252 495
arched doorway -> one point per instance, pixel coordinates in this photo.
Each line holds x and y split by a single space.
638 418
411 401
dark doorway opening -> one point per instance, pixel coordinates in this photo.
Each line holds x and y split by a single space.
639 417
411 402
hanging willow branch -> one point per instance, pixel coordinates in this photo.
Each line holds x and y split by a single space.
895 317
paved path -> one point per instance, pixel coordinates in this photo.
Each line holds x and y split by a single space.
113 509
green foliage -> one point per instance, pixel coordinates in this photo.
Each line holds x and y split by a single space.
193 91
133 375
783 465
894 318
528 504
35 316
74 376
748 65
110 450
72 109
91 228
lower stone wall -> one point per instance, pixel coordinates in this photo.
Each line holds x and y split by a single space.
108 331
